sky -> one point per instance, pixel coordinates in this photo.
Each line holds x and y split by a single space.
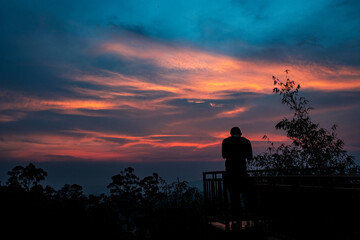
131 82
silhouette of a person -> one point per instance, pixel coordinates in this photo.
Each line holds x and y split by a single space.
235 150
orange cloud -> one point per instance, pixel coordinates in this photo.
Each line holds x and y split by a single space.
44 146
89 145
19 101
151 140
193 75
233 113
173 57
200 76
207 73
108 101
77 104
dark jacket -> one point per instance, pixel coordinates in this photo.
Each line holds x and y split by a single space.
236 150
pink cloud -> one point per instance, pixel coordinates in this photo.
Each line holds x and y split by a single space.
207 72
233 113
193 75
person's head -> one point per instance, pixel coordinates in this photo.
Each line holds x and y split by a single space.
235 132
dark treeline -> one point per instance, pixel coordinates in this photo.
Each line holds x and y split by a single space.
147 208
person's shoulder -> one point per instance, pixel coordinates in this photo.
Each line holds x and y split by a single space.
245 139
227 139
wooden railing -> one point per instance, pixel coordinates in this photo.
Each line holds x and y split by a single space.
275 186
216 197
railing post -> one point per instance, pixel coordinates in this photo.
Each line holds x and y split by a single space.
226 202
204 185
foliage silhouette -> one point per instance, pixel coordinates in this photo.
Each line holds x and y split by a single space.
311 145
68 191
147 208
152 208
26 177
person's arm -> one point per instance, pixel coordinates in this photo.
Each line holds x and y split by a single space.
224 149
249 151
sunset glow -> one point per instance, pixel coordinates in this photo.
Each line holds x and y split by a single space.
105 87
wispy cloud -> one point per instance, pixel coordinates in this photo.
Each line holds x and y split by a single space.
138 83
232 113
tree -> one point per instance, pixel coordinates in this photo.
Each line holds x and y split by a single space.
126 197
26 178
151 207
311 145
126 185
73 191
151 190
180 194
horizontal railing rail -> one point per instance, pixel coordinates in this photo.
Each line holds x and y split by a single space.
216 191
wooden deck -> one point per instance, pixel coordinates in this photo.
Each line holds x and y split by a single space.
290 205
